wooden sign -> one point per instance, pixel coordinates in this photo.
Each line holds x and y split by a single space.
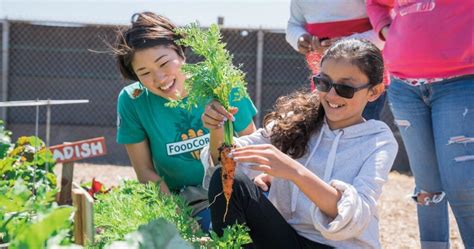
69 152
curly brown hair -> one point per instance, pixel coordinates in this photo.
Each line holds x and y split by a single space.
147 30
295 118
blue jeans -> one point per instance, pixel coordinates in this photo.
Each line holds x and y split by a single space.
436 122
204 219
373 110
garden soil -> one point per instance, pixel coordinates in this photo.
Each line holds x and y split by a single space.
397 213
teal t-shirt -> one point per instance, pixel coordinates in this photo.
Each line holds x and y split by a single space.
176 136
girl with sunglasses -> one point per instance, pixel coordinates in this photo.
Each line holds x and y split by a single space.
323 164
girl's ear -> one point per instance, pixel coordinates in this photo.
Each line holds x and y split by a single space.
375 92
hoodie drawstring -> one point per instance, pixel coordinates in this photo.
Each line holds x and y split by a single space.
332 157
327 171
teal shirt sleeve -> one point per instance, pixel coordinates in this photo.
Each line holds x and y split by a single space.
244 116
129 127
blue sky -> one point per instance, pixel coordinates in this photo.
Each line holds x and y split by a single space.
268 14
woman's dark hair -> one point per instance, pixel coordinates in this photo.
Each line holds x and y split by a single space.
297 116
147 30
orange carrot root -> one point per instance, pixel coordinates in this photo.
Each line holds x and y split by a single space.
227 176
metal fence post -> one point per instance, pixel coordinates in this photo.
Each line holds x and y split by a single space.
48 121
5 50
259 72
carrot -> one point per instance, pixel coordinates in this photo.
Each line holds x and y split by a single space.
227 174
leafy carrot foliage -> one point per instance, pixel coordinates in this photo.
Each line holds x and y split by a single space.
213 78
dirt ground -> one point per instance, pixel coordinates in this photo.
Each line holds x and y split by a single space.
398 222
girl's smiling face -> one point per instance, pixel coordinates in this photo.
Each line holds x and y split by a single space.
343 112
159 70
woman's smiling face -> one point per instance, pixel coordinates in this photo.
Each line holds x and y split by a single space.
343 112
159 70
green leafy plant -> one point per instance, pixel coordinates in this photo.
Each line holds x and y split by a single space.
30 161
5 140
132 204
235 236
133 212
37 233
29 217
159 233
213 78
29 221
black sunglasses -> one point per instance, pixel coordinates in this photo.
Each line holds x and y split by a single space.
345 91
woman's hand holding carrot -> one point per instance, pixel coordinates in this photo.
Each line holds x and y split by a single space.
213 119
215 115
268 159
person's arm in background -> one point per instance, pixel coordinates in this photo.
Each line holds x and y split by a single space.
295 30
297 35
379 15
140 157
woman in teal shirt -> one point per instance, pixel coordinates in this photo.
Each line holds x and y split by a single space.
163 143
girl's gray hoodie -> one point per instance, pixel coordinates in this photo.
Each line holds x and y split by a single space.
355 160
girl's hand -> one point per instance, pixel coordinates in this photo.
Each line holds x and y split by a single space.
263 181
328 42
268 159
305 43
308 43
215 115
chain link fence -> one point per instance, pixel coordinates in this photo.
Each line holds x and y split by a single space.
65 61
59 63
71 62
